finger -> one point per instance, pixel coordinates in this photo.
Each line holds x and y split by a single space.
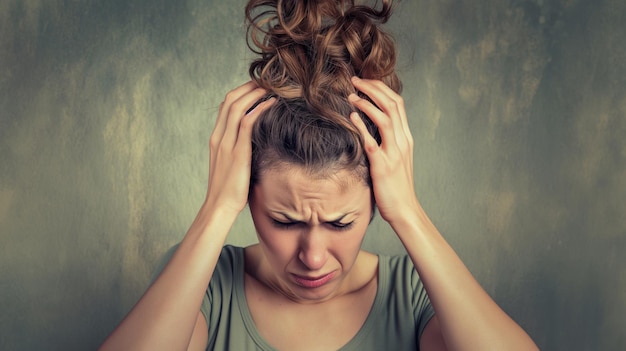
393 105
369 143
237 111
390 103
380 119
243 145
379 92
222 117
221 122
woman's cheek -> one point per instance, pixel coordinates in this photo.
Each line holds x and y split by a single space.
280 243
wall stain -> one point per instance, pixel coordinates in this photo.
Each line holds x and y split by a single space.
509 43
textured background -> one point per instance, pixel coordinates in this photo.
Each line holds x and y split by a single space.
518 108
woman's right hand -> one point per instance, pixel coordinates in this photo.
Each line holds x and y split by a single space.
168 315
231 148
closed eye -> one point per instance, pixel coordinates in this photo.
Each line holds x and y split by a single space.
341 226
290 224
284 225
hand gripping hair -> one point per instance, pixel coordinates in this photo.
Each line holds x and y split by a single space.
308 51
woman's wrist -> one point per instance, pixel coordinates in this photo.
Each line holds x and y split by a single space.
402 214
217 210
412 221
213 220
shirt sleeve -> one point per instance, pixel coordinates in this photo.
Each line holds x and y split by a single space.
422 308
205 307
167 256
420 302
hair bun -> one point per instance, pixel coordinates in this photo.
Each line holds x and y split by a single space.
310 49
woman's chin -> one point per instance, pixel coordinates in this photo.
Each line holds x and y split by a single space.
318 290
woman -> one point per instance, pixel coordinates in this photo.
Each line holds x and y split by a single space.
314 150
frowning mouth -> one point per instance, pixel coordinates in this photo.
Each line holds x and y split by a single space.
313 282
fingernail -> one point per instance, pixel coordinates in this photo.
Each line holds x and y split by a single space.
355 118
353 97
355 79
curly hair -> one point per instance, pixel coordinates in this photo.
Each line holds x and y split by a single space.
308 51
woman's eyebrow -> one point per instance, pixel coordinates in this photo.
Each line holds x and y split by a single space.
287 217
338 220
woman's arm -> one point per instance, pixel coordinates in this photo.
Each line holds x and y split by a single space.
167 315
466 316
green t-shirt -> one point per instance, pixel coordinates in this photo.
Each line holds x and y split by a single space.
398 316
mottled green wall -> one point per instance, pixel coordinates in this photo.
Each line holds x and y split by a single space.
518 111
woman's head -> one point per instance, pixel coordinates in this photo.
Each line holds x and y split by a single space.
309 50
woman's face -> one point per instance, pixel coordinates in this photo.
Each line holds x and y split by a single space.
310 230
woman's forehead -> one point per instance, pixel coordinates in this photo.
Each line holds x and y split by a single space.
344 178
341 179
298 194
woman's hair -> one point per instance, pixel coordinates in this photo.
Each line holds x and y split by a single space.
309 50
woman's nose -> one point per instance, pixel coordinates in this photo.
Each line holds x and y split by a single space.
313 251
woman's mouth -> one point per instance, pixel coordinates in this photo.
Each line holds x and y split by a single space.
313 282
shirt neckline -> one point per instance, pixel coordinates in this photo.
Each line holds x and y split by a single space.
253 332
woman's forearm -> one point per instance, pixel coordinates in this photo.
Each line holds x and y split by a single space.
164 317
468 316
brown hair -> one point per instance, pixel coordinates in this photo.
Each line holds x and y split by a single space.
309 50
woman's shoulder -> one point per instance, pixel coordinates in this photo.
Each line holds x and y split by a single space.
395 262
398 271
231 258
232 251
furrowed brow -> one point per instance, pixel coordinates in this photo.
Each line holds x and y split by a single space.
287 217
338 220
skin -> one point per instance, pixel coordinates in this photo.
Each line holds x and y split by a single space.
458 325
309 227
167 317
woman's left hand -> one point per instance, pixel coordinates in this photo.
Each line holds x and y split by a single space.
448 282
391 163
